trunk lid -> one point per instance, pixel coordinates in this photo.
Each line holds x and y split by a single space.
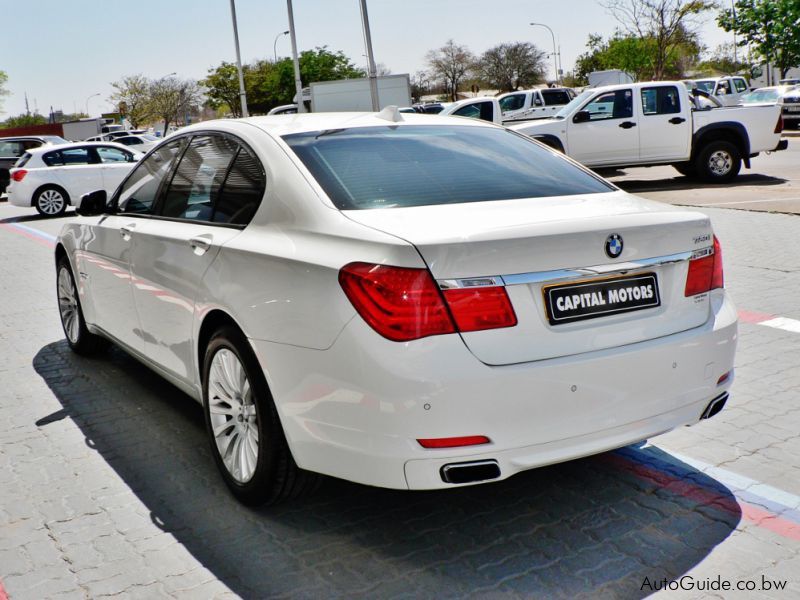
533 244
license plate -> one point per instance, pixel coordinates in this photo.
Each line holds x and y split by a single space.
793 109
600 298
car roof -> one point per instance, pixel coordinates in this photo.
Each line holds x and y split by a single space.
26 137
53 148
280 125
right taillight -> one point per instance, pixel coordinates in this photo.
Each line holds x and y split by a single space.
705 273
779 125
404 304
18 175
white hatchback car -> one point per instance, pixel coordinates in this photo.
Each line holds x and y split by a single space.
405 301
51 178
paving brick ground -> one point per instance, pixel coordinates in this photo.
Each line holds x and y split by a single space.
107 487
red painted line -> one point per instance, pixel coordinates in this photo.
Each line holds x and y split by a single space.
702 496
749 316
30 236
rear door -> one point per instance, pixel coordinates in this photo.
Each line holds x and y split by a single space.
115 164
665 129
213 194
611 135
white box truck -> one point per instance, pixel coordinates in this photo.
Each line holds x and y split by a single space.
77 131
353 95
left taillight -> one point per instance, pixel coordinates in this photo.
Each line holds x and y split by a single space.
404 304
705 273
779 124
18 175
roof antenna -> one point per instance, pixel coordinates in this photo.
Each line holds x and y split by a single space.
390 113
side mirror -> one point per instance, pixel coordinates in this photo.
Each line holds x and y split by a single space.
582 116
93 203
537 102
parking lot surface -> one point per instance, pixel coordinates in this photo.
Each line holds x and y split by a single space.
107 486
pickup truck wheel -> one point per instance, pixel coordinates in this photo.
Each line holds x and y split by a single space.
718 162
687 169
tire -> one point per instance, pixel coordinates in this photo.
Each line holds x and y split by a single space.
244 430
718 162
79 338
686 169
51 201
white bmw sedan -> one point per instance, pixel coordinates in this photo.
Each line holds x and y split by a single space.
51 178
405 301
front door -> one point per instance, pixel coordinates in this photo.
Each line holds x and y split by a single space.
115 163
610 136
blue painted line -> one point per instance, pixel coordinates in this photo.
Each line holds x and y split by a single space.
36 232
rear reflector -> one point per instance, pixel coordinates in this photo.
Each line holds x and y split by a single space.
454 442
723 378
478 308
18 175
705 273
404 304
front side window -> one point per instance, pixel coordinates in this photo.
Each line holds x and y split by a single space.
113 155
195 187
418 165
660 101
611 105
477 110
11 149
141 189
514 102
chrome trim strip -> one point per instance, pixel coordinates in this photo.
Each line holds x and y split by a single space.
564 274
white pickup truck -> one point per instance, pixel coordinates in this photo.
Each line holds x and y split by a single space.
656 123
515 107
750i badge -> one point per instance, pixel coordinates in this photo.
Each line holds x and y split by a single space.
599 298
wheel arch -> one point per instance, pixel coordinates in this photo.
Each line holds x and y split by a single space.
44 186
551 141
729 131
214 320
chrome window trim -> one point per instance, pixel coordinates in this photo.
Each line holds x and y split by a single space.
564 274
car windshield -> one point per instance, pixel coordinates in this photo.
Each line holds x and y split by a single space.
148 137
574 103
705 85
388 167
761 96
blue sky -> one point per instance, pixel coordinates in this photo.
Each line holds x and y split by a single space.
64 51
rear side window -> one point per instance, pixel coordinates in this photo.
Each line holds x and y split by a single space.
661 101
478 110
242 191
740 85
417 165
52 159
141 188
77 156
555 97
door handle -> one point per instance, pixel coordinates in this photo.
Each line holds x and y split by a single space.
677 120
127 230
627 124
200 244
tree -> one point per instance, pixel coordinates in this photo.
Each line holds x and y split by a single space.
509 66
132 97
171 98
723 60
665 23
450 63
3 90
24 120
769 27
222 88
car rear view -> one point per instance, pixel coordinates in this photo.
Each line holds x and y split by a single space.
551 316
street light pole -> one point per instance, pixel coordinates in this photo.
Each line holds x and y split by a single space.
298 83
242 94
555 51
373 74
275 44
87 102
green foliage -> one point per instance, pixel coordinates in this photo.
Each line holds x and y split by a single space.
723 61
24 120
508 67
222 88
133 94
637 56
769 27
3 90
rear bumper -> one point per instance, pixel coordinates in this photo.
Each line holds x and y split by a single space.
356 410
782 145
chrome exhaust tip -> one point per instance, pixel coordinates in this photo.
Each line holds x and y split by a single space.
470 472
716 405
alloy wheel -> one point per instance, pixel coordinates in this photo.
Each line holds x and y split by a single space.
68 305
233 415
51 202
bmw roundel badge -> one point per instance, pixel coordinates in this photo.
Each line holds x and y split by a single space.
614 245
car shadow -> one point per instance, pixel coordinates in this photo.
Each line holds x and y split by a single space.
597 526
37 217
679 182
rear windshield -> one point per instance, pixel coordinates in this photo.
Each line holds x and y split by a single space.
387 167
